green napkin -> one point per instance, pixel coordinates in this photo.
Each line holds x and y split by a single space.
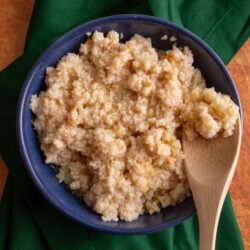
27 221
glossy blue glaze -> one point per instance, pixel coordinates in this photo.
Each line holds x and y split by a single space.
44 177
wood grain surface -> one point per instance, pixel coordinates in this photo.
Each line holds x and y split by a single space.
239 68
3 176
14 20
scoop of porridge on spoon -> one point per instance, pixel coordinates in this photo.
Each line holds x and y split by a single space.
210 165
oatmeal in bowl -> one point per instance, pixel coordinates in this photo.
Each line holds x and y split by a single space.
112 117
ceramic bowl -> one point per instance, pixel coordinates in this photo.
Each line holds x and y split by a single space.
44 177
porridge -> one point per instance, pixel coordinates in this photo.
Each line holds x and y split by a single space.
112 118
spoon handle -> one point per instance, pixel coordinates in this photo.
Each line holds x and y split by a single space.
209 210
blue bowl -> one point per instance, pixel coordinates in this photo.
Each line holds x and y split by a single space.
43 176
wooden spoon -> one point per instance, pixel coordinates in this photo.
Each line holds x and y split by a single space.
210 165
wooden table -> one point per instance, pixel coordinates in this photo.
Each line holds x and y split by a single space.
14 23
239 68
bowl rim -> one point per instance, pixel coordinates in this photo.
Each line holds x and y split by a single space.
20 112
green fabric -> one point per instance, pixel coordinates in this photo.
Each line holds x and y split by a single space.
27 221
